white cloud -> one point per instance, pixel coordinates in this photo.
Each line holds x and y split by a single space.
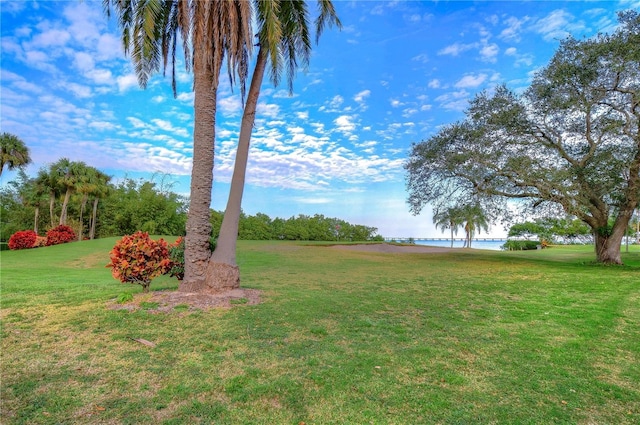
422 57
83 61
557 25
513 28
78 90
434 84
336 101
230 105
126 82
457 48
360 97
489 52
456 101
136 122
269 110
471 81
345 123
50 38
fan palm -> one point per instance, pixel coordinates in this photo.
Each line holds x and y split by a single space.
209 30
13 152
284 41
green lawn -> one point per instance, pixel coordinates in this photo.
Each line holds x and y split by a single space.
341 337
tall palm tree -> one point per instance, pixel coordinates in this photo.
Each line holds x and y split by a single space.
474 219
49 181
209 30
448 218
100 191
40 189
284 40
68 176
13 152
86 185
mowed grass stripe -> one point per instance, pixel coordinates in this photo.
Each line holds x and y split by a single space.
341 337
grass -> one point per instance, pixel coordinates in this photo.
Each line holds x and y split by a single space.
342 337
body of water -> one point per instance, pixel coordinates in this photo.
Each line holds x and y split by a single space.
495 245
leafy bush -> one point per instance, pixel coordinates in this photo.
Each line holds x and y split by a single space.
60 234
40 241
176 255
512 245
138 259
23 240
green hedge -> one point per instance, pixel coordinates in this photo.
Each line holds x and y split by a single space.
520 245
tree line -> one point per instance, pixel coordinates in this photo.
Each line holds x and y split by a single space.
132 205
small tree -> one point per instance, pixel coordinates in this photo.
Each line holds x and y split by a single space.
138 259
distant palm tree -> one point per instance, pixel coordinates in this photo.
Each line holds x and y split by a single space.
39 191
449 218
87 182
67 175
212 32
100 191
13 152
474 219
284 40
49 181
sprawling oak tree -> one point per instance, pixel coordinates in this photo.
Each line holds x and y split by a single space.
572 140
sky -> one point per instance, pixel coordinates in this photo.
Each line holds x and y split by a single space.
394 75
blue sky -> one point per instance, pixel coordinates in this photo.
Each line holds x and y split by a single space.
394 75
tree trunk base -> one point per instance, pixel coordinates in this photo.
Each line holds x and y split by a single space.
220 277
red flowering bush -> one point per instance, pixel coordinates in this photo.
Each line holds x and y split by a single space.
60 234
138 259
23 239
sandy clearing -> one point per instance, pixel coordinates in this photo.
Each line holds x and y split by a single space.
395 249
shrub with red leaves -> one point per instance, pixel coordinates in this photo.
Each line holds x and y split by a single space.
23 239
60 234
138 259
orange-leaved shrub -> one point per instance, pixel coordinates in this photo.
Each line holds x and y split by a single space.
23 239
40 241
60 234
138 259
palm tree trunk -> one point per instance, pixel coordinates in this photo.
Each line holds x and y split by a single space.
94 215
65 204
197 252
224 271
451 235
35 219
52 201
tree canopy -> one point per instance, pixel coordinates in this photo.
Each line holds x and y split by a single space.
13 152
571 141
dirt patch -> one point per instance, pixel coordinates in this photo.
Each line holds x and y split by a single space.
394 249
167 301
